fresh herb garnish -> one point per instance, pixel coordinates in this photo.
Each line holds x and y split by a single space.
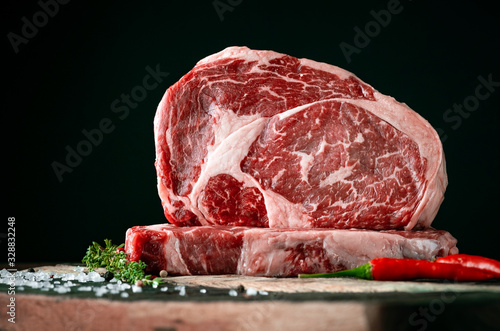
114 259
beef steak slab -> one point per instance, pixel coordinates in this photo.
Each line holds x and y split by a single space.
262 139
213 250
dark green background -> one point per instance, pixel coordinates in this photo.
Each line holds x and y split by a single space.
66 77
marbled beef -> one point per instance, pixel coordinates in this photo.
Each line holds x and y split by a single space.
262 139
215 250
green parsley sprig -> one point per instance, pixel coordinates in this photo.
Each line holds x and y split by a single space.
114 259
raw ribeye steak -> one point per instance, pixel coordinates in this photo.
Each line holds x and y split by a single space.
213 250
262 139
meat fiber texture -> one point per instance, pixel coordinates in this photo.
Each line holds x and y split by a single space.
214 250
263 139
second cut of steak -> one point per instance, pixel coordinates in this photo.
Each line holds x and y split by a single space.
262 139
215 250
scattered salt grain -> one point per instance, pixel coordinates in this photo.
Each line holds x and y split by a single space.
30 276
33 284
82 277
41 276
69 284
85 288
124 295
233 293
62 289
95 277
68 276
4 273
47 284
164 289
125 286
263 293
136 289
251 291
181 289
99 291
203 290
21 282
78 269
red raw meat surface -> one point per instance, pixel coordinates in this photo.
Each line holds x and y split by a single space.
263 139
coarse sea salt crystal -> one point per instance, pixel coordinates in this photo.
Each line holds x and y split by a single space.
263 293
69 284
95 277
251 291
4 273
164 289
42 275
99 291
136 289
124 295
62 289
233 293
69 276
181 289
125 286
84 288
78 269
30 276
21 282
57 275
47 284
203 290
33 284
82 277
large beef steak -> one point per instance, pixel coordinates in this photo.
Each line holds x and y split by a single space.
262 139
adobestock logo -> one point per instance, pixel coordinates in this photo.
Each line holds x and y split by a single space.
362 37
39 19
94 137
223 6
454 116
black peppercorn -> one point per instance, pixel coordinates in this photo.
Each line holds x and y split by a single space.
108 275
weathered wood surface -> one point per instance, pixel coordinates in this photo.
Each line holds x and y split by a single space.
288 304
316 285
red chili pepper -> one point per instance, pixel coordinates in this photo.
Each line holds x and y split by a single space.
408 269
121 249
473 261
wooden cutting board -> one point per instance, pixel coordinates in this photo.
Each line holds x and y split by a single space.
230 302
315 285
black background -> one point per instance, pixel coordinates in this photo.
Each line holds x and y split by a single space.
64 79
